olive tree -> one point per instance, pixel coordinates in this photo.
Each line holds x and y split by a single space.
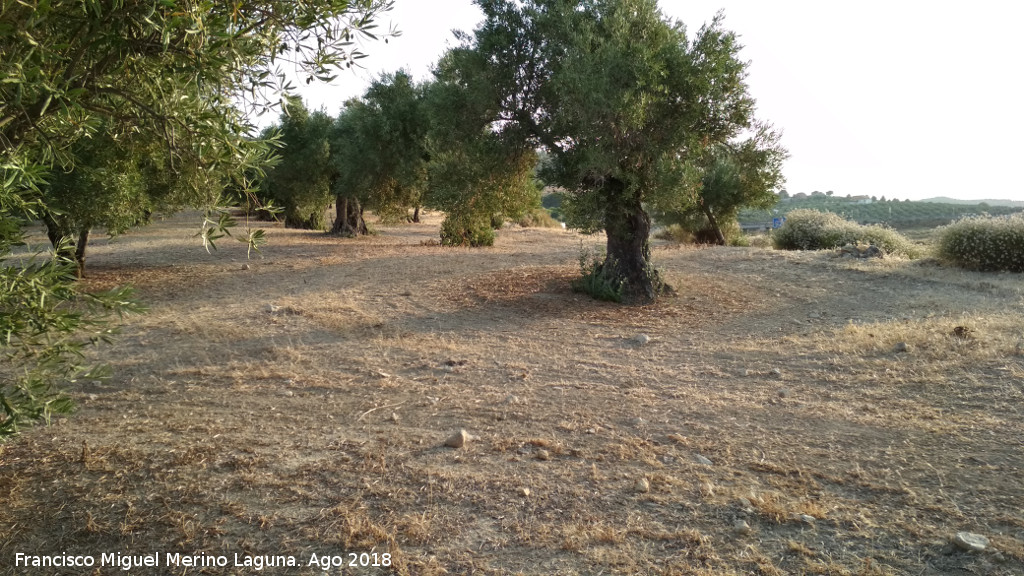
480 170
300 180
624 101
172 71
735 175
378 153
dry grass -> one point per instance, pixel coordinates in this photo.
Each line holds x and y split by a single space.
318 427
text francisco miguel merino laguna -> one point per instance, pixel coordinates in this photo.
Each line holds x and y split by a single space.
177 560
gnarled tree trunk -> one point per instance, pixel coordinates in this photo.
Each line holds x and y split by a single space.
58 228
83 240
348 220
629 254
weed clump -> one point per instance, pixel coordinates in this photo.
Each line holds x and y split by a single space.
594 280
984 243
813 230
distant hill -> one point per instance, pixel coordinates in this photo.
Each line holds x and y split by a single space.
898 214
945 200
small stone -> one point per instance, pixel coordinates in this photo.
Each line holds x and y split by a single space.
702 460
272 309
805 518
543 454
970 541
642 339
872 252
785 392
512 399
901 347
289 393
245 266
394 417
741 527
642 485
457 440
638 421
776 372
745 372
813 315
525 492
746 505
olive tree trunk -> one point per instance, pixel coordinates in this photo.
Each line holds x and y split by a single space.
628 227
83 240
58 228
713 222
348 219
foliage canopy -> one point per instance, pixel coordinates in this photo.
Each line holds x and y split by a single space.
166 74
622 99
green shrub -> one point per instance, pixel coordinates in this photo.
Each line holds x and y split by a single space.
461 231
698 232
538 218
984 243
675 233
813 230
741 240
594 281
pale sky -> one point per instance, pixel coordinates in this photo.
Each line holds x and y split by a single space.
902 100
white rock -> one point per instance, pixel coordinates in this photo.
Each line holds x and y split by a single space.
642 339
970 541
458 440
702 460
272 309
741 527
543 454
642 485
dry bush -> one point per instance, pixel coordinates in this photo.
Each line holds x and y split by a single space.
984 243
813 230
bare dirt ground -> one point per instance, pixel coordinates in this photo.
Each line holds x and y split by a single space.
301 407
